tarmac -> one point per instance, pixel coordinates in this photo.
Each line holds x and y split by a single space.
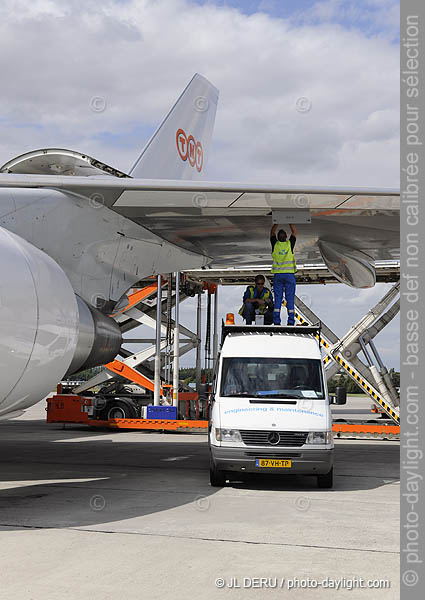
100 515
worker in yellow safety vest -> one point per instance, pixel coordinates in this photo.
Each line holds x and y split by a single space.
283 269
257 298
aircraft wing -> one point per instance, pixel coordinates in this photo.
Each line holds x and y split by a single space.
347 228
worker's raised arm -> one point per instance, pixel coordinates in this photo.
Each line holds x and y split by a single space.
273 230
293 230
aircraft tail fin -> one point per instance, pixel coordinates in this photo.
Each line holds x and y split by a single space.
179 147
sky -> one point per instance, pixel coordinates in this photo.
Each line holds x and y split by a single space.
59 57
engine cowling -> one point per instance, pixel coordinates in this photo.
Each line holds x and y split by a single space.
46 331
349 265
99 338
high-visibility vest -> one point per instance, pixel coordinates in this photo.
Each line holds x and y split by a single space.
283 258
263 307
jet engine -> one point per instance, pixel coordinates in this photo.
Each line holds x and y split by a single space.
46 331
350 266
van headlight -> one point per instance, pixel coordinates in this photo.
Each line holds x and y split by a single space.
227 435
319 437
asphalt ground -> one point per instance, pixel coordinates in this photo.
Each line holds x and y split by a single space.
101 515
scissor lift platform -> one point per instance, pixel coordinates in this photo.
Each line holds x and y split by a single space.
361 430
72 408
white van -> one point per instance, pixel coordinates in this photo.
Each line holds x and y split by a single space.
270 409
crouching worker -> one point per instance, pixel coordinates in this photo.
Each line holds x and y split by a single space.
258 298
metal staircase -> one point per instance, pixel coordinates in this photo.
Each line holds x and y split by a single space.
343 352
138 367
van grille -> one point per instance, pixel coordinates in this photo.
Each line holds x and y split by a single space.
253 437
283 454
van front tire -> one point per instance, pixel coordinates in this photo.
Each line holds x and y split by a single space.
217 477
326 480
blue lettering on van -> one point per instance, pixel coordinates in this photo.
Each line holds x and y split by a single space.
299 411
250 409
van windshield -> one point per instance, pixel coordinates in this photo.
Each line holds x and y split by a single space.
272 378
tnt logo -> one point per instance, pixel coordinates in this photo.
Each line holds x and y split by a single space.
189 149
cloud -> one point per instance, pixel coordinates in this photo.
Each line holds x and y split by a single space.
137 55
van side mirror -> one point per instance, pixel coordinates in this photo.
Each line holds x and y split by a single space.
340 396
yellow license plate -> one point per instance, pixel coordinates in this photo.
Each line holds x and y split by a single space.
273 463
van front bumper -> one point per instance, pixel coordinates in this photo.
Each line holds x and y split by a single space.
309 461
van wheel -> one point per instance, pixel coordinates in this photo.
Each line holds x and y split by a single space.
217 477
326 480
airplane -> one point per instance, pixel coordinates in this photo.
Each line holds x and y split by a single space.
77 234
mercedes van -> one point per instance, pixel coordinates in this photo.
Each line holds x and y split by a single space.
269 407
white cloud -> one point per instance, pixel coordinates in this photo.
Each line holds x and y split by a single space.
138 55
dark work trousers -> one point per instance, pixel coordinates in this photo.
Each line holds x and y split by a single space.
249 313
